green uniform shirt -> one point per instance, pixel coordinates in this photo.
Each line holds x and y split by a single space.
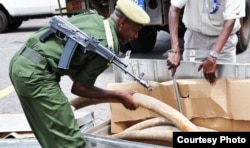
85 67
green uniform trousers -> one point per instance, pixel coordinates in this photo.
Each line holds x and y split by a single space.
44 104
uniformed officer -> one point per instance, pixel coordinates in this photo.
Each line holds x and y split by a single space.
34 73
211 32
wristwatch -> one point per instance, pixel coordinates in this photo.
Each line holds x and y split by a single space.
214 54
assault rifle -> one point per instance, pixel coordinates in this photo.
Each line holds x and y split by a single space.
73 36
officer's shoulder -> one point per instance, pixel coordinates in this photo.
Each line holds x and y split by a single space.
83 15
90 12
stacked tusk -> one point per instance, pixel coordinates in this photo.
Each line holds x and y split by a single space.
170 120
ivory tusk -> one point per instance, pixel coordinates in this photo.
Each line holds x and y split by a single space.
161 133
149 123
165 110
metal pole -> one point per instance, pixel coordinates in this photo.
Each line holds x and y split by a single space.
177 94
176 89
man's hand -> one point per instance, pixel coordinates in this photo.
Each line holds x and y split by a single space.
173 61
127 100
209 69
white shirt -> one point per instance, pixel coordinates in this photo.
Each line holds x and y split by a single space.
197 15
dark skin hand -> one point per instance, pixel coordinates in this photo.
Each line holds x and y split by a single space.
209 64
125 97
173 61
209 69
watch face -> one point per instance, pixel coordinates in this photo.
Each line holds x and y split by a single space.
214 54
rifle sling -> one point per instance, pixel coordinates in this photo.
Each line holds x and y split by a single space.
108 34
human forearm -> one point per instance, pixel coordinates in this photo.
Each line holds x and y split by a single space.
224 35
209 65
93 92
173 19
173 60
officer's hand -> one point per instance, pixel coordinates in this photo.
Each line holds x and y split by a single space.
209 69
127 100
173 60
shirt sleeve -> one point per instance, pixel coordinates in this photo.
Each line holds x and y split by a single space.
234 9
178 3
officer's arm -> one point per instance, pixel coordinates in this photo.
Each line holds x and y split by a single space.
93 92
124 97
